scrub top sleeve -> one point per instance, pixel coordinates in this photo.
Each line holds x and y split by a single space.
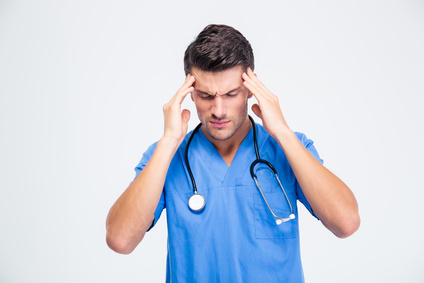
309 145
143 162
145 159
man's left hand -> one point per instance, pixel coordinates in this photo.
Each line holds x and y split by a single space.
268 106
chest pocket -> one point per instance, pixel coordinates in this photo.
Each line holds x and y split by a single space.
265 225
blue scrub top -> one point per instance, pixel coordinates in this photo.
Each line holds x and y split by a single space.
235 237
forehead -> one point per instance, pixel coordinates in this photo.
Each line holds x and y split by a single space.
218 82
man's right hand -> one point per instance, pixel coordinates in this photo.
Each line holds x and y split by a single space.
133 213
176 121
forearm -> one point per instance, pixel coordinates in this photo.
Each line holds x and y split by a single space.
331 200
133 213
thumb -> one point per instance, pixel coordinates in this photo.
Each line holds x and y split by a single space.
257 110
185 116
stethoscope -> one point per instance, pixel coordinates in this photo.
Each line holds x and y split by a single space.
197 202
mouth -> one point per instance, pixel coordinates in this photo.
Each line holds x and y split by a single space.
219 124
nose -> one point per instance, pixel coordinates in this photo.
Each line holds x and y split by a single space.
219 109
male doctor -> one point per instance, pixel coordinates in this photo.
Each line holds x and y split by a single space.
234 237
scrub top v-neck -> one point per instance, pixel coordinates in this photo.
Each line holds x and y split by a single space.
213 162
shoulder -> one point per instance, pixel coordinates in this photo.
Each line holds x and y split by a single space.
147 155
145 158
264 136
267 143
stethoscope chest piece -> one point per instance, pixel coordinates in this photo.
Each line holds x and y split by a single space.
196 202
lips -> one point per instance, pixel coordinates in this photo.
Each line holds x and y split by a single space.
219 124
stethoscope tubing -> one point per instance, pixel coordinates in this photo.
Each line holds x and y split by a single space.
193 182
197 201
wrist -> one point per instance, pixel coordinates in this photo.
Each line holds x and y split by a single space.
169 144
285 136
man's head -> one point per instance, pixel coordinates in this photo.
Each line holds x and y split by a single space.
218 48
217 58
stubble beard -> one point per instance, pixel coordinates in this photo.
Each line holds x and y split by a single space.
221 134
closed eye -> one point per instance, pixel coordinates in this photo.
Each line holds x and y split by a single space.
234 92
207 96
231 94
204 95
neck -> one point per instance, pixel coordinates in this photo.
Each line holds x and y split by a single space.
228 148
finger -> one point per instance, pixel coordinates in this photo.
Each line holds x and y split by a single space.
253 88
261 94
185 116
254 78
185 89
251 77
181 94
257 110
252 84
174 105
189 80
259 85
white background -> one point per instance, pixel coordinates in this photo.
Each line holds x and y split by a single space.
82 85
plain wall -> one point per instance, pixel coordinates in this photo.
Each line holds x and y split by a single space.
82 85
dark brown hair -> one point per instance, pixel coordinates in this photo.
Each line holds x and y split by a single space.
218 48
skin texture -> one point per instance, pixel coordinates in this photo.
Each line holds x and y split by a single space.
221 103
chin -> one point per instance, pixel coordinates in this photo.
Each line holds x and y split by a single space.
220 135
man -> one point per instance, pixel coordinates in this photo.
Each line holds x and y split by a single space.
234 236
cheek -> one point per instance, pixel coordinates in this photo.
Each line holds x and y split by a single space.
201 106
242 102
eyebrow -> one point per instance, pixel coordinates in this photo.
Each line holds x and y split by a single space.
233 90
